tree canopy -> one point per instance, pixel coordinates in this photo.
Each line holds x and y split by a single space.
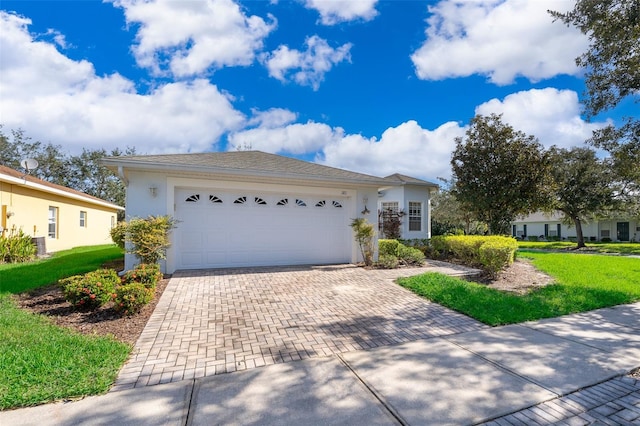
583 186
500 173
612 61
612 64
82 172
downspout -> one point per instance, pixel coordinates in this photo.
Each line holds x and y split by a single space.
122 176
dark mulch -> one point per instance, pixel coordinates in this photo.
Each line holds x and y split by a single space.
49 301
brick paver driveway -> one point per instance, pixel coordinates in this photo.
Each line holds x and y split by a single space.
218 321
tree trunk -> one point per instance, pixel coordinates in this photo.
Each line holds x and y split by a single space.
578 224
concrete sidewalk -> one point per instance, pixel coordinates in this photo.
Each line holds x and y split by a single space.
567 370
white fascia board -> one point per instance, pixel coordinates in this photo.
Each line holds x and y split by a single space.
56 191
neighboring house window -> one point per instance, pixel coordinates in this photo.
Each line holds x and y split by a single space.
53 222
514 230
415 216
83 219
113 221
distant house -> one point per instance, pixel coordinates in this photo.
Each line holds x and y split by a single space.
550 227
411 199
58 216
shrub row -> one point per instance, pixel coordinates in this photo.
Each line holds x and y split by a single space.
16 247
491 253
392 253
129 293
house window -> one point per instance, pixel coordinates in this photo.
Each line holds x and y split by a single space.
604 233
53 222
113 221
415 216
390 205
83 219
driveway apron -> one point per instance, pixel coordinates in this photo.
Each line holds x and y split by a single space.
210 322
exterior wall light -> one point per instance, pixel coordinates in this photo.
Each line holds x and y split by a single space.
153 190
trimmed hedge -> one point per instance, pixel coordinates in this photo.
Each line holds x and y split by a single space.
491 253
401 254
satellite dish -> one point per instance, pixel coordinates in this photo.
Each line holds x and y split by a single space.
29 164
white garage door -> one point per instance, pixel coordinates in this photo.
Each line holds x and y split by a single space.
243 228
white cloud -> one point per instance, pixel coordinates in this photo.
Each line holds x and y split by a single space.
552 115
192 37
407 149
309 67
502 39
56 99
336 11
296 138
273 117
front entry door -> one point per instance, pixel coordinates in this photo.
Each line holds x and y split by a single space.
623 231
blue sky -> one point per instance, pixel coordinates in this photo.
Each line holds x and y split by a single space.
369 85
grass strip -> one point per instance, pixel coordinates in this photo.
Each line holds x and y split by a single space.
19 277
41 362
621 248
583 283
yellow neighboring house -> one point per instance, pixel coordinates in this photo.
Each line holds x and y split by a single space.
60 217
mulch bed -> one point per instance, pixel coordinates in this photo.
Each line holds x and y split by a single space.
49 301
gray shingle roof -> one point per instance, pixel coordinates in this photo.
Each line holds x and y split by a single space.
255 163
397 178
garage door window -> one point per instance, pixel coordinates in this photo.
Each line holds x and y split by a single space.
240 200
215 199
337 205
283 202
321 203
300 203
260 201
193 198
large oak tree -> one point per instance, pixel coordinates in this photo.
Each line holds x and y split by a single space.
583 186
500 173
612 74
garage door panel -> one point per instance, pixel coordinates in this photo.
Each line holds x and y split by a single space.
224 234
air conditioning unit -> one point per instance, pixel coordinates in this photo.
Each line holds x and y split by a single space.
605 233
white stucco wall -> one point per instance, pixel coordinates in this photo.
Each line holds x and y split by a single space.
140 202
403 195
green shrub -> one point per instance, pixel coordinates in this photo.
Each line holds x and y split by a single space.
421 244
118 234
388 248
130 298
410 255
532 238
388 261
465 247
605 240
145 274
438 246
495 254
91 290
16 247
363 234
148 238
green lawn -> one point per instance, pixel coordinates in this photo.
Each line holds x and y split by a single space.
623 248
39 361
583 282
19 277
